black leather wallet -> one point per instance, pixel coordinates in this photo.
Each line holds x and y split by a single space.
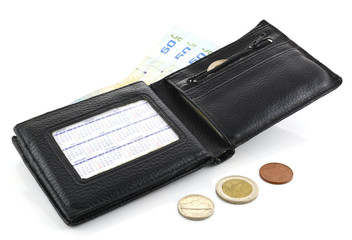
193 117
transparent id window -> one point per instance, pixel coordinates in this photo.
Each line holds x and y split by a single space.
114 137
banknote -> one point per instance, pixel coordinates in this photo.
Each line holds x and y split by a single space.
162 52
174 37
201 50
157 66
177 49
164 48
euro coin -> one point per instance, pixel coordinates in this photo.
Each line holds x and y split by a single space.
276 173
195 207
237 189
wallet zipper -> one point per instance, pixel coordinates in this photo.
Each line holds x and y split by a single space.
257 44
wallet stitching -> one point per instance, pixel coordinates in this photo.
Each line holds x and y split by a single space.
213 122
216 53
103 209
155 105
86 100
275 120
114 206
114 197
247 136
42 173
286 39
86 217
235 64
288 113
337 82
289 41
57 196
245 72
205 112
305 53
40 182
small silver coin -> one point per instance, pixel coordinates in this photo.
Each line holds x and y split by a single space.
195 207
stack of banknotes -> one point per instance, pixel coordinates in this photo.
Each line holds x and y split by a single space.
177 49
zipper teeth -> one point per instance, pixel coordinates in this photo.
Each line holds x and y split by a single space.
194 98
205 73
216 74
255 45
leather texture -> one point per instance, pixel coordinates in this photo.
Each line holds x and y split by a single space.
77 200
267 77
260 87
214 144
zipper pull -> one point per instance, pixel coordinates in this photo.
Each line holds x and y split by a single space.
256 43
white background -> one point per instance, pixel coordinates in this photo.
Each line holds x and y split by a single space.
53 52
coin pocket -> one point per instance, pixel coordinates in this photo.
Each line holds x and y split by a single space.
234 69
244 99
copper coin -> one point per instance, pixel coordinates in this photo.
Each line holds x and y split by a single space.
276 173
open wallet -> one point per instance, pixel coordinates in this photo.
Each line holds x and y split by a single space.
98 154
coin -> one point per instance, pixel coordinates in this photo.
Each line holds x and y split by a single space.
195 207
215 64
276 173
237 189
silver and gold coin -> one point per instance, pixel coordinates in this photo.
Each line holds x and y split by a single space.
195 207
237 189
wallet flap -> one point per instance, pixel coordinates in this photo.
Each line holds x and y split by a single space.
69 151
257 81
